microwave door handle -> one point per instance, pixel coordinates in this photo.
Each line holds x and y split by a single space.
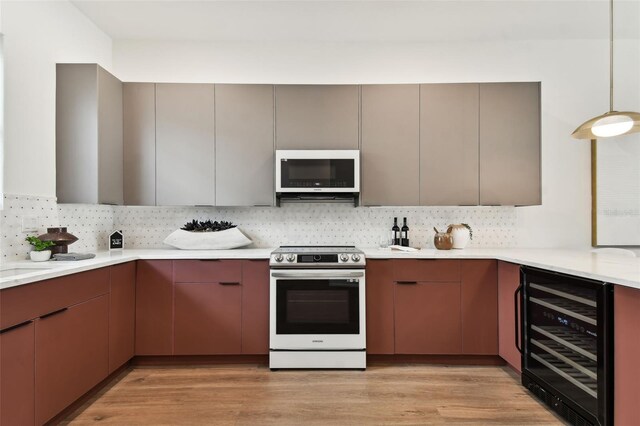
316 274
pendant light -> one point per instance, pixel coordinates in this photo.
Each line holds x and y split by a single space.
612 123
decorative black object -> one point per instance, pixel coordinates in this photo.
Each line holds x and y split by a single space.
207 226
116 241
60 237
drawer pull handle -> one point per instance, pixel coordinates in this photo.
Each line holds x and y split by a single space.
229 283
407 282
22 324
50 314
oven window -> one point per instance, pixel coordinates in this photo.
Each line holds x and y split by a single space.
317 307
317 173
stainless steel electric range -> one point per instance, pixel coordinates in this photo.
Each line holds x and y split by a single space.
317 308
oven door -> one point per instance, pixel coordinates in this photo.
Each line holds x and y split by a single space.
317 309
303 171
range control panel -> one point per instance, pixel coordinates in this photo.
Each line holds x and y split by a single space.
315 257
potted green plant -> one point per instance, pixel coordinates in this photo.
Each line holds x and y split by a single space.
40 252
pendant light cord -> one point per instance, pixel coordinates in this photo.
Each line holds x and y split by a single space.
611 55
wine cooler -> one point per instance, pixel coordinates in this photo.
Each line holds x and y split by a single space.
567 344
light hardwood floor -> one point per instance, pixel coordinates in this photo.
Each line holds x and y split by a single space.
252 395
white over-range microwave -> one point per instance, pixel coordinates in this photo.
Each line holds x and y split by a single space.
304 173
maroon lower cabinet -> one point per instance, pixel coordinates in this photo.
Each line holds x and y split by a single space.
379 307
432 270
508 282
626 355
26 302
255 307
479 307
71 355
154 307
207 270
122 314
208 318
427 318
17 371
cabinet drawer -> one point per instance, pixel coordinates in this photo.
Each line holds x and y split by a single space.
426 270
19 304
207 271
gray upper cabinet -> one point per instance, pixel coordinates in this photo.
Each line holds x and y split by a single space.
449 144
390 145
244 145
317 117
139 106
510 144
89 152
185 152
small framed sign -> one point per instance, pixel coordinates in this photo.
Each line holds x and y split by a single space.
116 241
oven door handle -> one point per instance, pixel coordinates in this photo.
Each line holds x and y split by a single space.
317 274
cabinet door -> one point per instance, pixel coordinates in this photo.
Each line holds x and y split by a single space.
72 355
76 133
510 144
185 144
427 318
110 151
122 314
17 372
244 145
626 355
207 318
380 321
508 282
255 307
139 138
317 117
154 307
480 307
391 145
449 144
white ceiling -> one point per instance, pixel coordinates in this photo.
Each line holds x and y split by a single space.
360 21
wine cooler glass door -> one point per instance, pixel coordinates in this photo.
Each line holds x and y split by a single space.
563 339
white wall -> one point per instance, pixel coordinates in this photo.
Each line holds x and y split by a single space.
574 87
37 35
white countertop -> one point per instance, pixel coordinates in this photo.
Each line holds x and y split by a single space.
616 269
38 271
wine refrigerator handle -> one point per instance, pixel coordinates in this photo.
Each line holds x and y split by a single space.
516 300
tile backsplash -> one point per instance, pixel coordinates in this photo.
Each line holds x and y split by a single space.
304 224
92 224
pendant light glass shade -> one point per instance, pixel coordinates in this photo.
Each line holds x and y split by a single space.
612 123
